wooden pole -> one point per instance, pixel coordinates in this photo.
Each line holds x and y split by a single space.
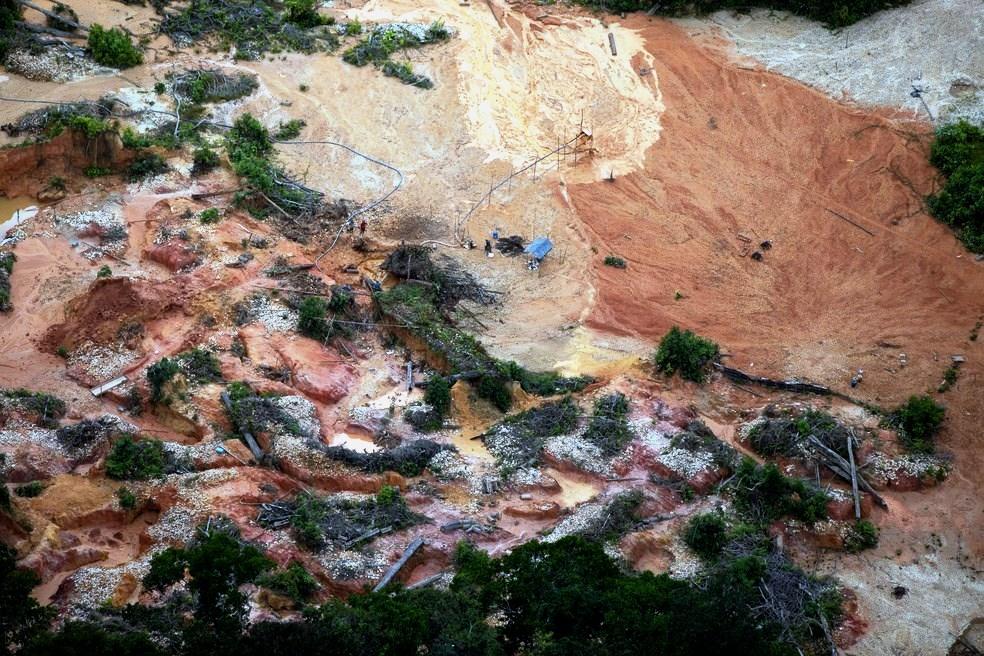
854 476
398 565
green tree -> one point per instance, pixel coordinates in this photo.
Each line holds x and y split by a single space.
311 320
918 421
684 352
706 534
135 460
21 617
438 394
113 47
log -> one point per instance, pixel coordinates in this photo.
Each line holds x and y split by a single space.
51 14
842 468
398 565
41 29
611 44
423 583
793 385
854 477
250 440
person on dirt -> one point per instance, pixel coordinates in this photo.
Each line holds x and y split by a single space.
362 228
488 248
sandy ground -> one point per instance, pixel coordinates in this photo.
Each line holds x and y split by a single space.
706 152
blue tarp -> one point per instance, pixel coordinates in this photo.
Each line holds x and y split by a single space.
539 247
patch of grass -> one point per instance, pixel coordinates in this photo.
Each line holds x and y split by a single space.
113 47
683 352
131 460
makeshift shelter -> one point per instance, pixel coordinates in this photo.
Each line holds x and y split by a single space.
539 248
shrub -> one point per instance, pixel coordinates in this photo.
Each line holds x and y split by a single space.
353 28
862 535
126 498
311 320
294 582
608 427
211 215
158 374
706 534
494 389
918 421
204 159
763 494
614 261
135 460
145 166
303 13
438 394
113 47
159 88
104 272
684 352
289 130
29 490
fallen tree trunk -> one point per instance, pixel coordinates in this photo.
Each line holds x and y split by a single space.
398 565
837 464
793 385
53 15
250 440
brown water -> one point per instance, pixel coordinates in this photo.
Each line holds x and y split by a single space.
14 211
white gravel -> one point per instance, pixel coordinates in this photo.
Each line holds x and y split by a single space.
686 464
935 44
582 519
101 362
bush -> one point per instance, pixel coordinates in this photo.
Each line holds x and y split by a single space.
29 490
204 160
958 152
684 352
294 582
126 498
918 421
113 47
289 130
614 261
353 28
303 13
608 428
145 166
763 494
211 215
158 374
862 535
135 460
706 534
104 272
311 320
438 394
494 389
